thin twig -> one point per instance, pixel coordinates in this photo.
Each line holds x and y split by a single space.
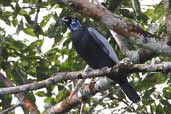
97 102
167 16
82 108
38 10
126 108
10 109
79 83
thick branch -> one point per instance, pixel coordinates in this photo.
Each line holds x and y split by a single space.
86 92
117 69
116 23
136 56
23 100
100 85
118 38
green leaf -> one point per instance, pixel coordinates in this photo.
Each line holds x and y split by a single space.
49 100
41 93
62 94
30 1
36 44
14 22
136 7
16 77
5 2
29 31
159 109
167 109
151 80
166 105
14 44
31 97
146 99
45 20
22 12
167 92
156 13
5 101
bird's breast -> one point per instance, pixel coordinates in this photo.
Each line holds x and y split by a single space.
89 50
82 43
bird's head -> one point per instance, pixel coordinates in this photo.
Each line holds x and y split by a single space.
72 23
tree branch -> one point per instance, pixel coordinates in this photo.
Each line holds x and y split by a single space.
167 18
86 92
117 69
79 83
104 83
23 100
118 24
6 111
118 38
136 56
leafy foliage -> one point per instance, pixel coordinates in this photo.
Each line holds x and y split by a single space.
28 24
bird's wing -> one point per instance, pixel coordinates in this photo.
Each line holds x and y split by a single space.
103 43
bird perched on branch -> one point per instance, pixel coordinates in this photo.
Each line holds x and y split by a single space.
94 48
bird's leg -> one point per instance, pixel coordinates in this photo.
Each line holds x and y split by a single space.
126 61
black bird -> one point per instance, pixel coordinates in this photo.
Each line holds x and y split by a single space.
97 52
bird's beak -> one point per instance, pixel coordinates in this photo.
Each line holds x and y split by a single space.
61 20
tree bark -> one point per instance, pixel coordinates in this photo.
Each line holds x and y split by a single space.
119 25
117 70
23 100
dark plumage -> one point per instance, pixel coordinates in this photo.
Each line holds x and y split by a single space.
97 52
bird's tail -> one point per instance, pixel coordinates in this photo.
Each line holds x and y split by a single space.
129 91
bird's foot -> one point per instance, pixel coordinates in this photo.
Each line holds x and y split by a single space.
126 61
